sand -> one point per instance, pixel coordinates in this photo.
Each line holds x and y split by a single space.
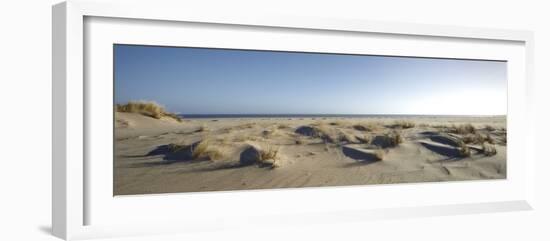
344 154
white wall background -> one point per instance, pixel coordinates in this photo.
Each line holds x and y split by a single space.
25 119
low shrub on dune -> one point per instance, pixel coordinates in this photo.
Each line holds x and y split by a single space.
363 139
147 108
403 124
388 140
347 138
462 129
477 138
321 132
199 149
268 152
464 150
267 156
489 149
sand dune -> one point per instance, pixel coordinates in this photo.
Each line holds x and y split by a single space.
162 155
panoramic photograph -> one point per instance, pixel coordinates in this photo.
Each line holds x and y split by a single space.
192 119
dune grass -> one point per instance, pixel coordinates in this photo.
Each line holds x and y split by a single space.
283 126
403 124
379 154
346 137
489 128
361 127
214 154
464 150
369 126
199 149
462 129
268 152
267 156
488 149
477 138
172 147
365 139
147 108
394 138
321 131
202 128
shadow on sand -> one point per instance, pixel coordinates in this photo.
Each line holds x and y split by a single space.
169 156
362 157
452 153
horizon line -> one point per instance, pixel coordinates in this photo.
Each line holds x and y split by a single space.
317 114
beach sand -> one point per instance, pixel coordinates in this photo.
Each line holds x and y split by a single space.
310 152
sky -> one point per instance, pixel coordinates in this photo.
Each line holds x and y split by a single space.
226 81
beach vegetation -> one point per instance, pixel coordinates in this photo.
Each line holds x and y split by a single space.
462 129
267 155
363 139
488 149
477 138
147 108
464 150
395 138
198 149
489 128
379 154
403 124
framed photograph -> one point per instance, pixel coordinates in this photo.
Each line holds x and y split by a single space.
180 121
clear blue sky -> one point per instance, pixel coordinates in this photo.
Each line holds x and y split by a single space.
219 81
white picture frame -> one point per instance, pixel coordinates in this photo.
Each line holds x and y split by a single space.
73 187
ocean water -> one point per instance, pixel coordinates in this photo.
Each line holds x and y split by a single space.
221 116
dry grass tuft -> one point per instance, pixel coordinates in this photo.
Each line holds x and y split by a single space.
489 139
176 147
147 108
360 127
267 153
489 149
214 154
283 126
477 138
464 150
267 133
395 138
202 128
245 126
267 156
224 140
346 137
363 139
243 138
403 124
379 154
199 149
489 128
387 140
366 126
462 129
473 138
318 131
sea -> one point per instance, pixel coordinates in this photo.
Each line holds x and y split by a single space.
293 116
